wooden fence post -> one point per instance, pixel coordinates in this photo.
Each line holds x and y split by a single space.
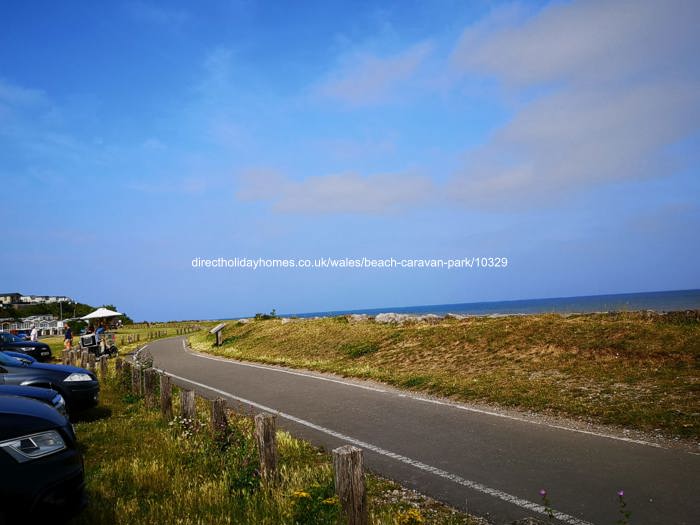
266 437
92 362
166 397
124 374
187 405
136 379
118 362
64 357
350 483
149 387
71 358
84 359
219 422
103 367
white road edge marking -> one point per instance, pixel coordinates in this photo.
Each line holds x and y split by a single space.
136 354
515 500
428 400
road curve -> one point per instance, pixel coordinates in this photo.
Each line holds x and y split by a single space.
489 464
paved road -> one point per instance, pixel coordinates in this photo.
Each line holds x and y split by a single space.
486 463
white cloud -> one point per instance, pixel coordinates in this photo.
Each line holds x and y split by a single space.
616 84
586 42
365 79
338 193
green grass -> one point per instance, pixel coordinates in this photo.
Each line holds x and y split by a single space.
637 370
142 470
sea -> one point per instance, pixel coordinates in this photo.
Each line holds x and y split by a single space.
625 302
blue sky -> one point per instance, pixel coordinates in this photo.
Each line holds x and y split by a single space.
136 136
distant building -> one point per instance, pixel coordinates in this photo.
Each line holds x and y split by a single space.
19 300
45 299
45 324
10 298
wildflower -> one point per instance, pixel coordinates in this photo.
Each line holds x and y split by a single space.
543 493
301 494
621 493
331 501
411 517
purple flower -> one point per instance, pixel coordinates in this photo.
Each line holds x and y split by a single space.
543 493
621 493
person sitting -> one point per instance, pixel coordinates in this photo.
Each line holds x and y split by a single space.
100 339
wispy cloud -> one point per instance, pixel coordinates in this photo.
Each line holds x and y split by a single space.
337 193
179 185
216 72
348 149
33 133
364 79
14 95
163 16
618 83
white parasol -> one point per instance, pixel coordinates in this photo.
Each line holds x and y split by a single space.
101 313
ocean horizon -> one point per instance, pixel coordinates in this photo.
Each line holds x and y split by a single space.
664 301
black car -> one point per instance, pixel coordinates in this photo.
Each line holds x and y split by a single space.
41 470
79 387
39 351
45 395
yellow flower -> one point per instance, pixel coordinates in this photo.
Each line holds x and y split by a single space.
331 501
301 494
411 517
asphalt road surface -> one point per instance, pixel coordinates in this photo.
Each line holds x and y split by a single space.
490 464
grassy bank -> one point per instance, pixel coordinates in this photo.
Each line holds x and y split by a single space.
637 370
142 470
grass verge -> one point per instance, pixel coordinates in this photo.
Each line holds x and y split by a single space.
637 370
142 470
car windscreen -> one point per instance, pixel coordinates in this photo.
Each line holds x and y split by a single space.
10 338
9 360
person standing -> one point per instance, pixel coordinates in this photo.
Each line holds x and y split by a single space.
68 338
34 334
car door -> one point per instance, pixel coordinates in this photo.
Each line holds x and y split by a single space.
13 375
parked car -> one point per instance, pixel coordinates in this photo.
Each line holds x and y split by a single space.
41 469
19 355
79 387
39 351
45 395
